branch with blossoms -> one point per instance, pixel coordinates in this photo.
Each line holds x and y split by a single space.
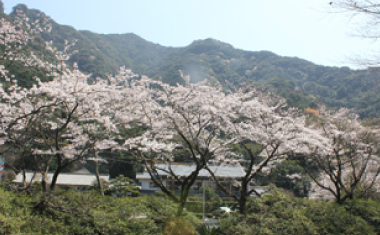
348 161
16 36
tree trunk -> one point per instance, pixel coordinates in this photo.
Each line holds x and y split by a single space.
242 205
44 180
23 177
181 206
243 197
55 178
60 167
44 169
100 184
183 200
56 173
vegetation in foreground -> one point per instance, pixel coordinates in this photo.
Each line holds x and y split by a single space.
72 212
277 213
69 212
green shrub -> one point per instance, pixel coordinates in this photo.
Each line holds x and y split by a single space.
276 213
69 212
366 209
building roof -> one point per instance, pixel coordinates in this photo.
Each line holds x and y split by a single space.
185 170
64 179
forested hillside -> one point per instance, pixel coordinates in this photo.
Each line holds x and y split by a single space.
303 83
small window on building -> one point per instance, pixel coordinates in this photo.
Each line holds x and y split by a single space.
197 185
152 184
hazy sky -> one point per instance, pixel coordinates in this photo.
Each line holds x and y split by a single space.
303 28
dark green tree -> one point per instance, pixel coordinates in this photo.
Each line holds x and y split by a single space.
122 186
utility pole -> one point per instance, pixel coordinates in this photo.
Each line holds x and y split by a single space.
204 201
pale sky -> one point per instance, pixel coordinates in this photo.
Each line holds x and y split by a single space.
302 28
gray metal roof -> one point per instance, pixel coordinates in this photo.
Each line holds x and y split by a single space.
185 170
64 179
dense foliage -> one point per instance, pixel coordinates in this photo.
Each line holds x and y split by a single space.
277 213
69 212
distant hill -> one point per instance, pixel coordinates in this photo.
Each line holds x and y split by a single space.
302 83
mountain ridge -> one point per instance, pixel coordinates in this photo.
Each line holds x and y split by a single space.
303 83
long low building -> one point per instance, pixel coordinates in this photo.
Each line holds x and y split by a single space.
228 174
82 179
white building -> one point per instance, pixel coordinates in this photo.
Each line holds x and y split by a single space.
78 179
228 174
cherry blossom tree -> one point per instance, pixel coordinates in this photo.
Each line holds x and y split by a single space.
190 120
57 121
52 121
56 114
267 131
48 119
202 123
16 35
348 162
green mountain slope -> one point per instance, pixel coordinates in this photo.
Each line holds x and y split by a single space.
303 83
